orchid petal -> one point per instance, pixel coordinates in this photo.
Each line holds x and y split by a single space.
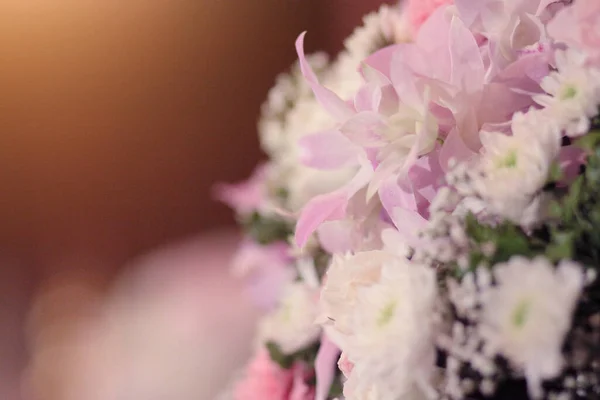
426 176
327 150
393 194
409 224
331 206
381 60
368 98
454 148
325 367
246 196
321 208
335 237
571 158
467 69
371 74
337 107
362 128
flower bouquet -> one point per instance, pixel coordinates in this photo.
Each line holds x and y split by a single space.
427 225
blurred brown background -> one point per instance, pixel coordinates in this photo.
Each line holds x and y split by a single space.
116 118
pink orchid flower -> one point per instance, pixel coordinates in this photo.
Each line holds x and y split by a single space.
578 25
441 88
245 197
265 269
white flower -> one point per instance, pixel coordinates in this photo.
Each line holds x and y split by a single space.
292 325
527 315
573 92
345 276
379 307
514 168
354 391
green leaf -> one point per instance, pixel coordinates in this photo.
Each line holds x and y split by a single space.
510 244
337 389
562 246
555 174
478 232
265 230
283 360
590 141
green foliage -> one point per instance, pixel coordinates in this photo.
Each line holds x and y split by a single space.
502 241
572 230
265 230
286 361
337 388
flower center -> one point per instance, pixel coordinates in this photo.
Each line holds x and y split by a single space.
386 314
568 92
508 161
521 313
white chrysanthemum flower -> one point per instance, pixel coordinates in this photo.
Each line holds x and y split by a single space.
345 276
379 29
355 390
527 315
292 325
573 92
378 307
514 168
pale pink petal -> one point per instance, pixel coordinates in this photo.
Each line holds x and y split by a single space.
345 365
246 196
571 158
363 128
406 60
337 107
467 69
368 98
331 206
335 237
325 366
454 148
381 60
371 74
426 177
393 194
328 150
322 208
409 224
470 10
420 11
265 270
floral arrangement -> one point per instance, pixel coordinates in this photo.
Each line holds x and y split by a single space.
427 225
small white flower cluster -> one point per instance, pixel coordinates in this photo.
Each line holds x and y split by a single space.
521 311
292 324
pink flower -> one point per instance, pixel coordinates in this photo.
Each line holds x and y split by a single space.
265 268
324 367
447 86
418 11
245 197
578 25
264 379
300 389
345 365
